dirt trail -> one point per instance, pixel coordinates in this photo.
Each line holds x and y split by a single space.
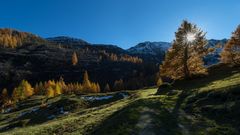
148 124
145 122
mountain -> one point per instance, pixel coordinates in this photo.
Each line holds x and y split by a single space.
149 48
52 59
155 51
70 42
214 57
151 51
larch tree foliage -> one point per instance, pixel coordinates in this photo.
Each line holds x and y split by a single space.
118 85
28 90
86 82
50 92
24 90
16 95
107 88
98 88
58 90
185 58
4 96
74 59
231 51
159 82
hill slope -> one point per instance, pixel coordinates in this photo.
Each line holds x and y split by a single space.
10 38
201 106
53 59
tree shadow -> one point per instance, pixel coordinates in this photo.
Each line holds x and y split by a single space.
125 121
179 102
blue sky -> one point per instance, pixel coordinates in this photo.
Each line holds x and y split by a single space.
121 22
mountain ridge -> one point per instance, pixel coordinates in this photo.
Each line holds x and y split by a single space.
141 47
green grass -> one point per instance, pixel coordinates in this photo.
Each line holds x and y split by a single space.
38 123
201 106
205 106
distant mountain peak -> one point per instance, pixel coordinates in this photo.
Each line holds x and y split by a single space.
148 47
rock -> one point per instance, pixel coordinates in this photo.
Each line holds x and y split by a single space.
164 88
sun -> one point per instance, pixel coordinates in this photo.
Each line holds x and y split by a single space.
190 37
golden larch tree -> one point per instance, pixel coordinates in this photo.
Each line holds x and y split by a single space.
159 81
231 51
74 59
86 82
4 96
118 85
27 88
184 59
58 90
16 95
50 92
98 88
107 88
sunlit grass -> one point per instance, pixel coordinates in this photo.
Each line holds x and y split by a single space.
221 84
82 121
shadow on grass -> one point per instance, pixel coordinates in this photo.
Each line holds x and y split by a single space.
125 121
37 115
179 102
221 106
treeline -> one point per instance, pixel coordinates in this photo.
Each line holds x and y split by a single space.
121 58
111 57
49 88
11 38
52 88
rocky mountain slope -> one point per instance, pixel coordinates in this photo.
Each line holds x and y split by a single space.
153 51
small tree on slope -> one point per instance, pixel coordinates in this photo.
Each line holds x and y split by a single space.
74 59
184 58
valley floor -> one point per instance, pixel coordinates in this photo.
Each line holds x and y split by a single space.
197 107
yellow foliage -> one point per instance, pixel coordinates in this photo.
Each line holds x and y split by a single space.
4 96
15 95
74 59
159 82
50 92
28 90
231 51
185 58
58 90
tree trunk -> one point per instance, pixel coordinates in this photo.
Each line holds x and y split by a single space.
185 64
